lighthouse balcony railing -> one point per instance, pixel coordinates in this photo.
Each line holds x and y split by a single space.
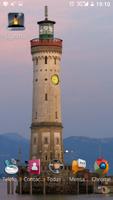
46 42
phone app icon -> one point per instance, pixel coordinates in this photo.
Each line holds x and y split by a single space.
11 167
34 167
56 166
16 21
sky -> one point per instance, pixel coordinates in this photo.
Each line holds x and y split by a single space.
86 68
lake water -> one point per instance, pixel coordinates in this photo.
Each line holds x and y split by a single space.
4 196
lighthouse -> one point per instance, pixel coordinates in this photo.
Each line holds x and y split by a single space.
46 127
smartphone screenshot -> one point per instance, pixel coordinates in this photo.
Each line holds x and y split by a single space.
56 99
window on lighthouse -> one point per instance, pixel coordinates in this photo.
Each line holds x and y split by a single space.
35 140
46 59
46 97
46 140
36 61
57 141
56 115
46 157
55 61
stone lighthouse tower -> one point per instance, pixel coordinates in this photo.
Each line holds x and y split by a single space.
46 128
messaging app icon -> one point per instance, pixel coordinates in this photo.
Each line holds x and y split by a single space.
78 165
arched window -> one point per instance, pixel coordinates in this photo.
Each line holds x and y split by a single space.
36 61
57 141
55 61
35 140
45 157
46 140
46 97
46 59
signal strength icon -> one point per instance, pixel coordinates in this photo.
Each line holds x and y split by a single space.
20 3
86 4
92 4
13 3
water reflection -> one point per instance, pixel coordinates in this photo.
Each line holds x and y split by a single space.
4 196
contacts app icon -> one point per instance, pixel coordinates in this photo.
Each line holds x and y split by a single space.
34 166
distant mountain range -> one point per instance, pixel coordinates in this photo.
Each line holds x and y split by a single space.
10 145
90 149
78 147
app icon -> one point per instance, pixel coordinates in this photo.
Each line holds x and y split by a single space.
16 21
81 163
92 4
34 166
56 166
101 166
11 166
78 165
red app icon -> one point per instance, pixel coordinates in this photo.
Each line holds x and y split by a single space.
34 166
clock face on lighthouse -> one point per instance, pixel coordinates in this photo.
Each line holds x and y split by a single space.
46 29
55 79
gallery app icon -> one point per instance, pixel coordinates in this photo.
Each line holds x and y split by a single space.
11 167
16 21
56 166
34 166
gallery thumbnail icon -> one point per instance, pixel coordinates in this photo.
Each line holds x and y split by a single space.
16 21
34 166
78 165
56 166
11 166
